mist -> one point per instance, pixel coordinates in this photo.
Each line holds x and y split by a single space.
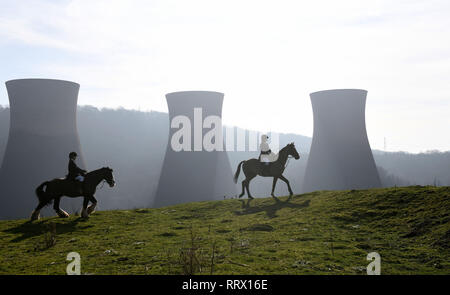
133 143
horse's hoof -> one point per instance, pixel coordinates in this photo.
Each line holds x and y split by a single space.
63 214
84 215
35 216
250 197
90 210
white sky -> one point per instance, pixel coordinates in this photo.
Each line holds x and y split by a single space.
266 56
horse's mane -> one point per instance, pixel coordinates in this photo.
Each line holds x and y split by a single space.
97 170
285 147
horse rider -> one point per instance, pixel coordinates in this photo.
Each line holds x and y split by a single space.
75 172
266 155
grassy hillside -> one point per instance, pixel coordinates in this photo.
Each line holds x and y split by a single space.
329 232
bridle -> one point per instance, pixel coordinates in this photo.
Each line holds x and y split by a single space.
288 159
103 183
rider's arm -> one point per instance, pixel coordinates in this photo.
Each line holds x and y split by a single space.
73 167
82 171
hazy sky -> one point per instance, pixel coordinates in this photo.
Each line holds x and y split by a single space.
266 56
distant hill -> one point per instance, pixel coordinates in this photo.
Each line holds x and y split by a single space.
327 232
134 144
425 168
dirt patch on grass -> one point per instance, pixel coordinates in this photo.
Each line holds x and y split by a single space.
223 231
260 227
168 234
142 211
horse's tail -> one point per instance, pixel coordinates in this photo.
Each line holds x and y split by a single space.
236 175
42 196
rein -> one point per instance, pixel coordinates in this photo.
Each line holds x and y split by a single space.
287 162
288 158
103 183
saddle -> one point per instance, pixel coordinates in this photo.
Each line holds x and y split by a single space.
267 157
265 168
77 185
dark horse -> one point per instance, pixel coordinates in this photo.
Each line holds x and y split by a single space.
254 167
57 188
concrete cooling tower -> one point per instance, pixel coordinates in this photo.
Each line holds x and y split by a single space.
195 175
42 133
340 157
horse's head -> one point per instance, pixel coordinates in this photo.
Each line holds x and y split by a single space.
108 176
292 151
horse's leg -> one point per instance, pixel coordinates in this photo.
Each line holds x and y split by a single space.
91 208
61 213
35 214
287 182
247 185
275 179
84 212
244 181
243 189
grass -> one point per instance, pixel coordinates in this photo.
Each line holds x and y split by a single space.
327 232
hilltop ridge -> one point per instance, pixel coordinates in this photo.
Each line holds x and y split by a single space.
326 232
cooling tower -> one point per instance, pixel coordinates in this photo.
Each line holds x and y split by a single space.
340 157
189 176
42 133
